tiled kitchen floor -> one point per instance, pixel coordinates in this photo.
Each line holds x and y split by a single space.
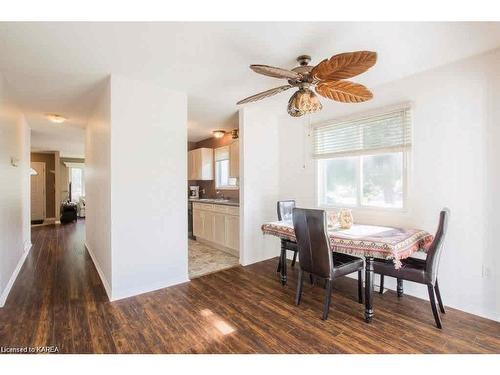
204 259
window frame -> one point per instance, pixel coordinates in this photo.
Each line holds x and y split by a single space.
319 187
224 187
406 154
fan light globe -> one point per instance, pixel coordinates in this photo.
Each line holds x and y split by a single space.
303 102
218 133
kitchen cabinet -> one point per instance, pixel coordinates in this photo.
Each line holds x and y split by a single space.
217 224
208 225
234 159
232 232
198 218
220 229
201 164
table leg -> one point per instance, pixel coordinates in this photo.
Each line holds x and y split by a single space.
283 263
368 289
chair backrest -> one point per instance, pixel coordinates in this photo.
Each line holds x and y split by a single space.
315 255
285 210
434 252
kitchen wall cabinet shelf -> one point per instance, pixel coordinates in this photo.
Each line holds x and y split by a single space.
201 164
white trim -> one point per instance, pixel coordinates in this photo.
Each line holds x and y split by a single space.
74 164
131 292
27 247
99 271
146 289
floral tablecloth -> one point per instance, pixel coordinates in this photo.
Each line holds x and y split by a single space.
365 240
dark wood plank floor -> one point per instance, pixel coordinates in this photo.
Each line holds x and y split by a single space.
58 299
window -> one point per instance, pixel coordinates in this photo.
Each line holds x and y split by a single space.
362 162
77 183
222 179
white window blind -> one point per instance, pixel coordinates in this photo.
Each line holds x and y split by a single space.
388 131
222 153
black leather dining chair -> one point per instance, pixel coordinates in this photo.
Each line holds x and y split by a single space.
316 256
422 271
285 213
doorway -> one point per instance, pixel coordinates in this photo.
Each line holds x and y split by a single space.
38 197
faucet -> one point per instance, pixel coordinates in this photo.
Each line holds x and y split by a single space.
219 194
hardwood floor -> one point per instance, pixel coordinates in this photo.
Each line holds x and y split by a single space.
58 300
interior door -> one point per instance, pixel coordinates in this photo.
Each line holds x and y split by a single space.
38 191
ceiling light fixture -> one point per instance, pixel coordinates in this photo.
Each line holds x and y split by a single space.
218 133
57 119
303 102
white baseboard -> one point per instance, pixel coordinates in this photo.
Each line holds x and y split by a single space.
132 292
121 294
99 271
8 287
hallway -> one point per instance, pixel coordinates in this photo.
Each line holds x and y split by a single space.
58 300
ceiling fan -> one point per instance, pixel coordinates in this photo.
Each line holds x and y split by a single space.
328 79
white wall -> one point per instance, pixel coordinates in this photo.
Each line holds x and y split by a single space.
148 187
136 172
98 186
259 183
15 232
455 157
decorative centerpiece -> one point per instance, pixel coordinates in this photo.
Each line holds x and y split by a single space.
345 218
332 219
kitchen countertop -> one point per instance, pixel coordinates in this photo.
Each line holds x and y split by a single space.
216 201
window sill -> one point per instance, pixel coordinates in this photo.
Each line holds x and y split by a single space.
365 208
227 188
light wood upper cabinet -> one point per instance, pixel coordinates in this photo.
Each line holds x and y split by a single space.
201 164
234 159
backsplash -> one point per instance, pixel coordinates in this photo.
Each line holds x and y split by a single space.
209 186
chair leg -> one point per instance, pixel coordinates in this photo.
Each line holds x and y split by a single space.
381 284
433 305
400 287
360 286
300 283
279 264
328 297
438 296
294 258
311 278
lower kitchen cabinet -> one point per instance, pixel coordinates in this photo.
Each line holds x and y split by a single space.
217 224
232 232
219 229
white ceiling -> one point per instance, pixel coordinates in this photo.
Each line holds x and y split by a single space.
58 67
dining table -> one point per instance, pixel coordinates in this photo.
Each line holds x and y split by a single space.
365 241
